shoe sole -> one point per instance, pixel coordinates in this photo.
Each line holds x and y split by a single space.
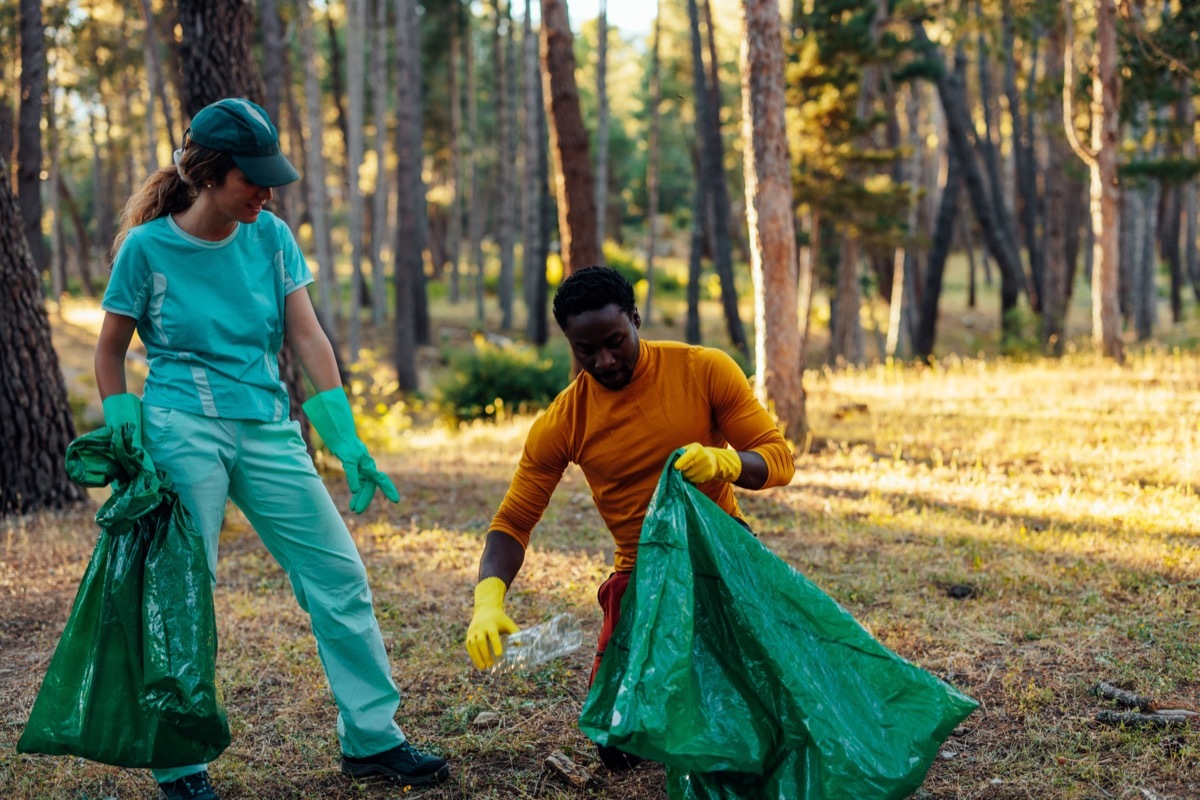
380 771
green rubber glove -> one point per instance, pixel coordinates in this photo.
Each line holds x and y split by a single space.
126 409
700 464
488 623
333 420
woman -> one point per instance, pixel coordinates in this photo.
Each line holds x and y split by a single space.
212 283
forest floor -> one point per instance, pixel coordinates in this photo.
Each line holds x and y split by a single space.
1024 529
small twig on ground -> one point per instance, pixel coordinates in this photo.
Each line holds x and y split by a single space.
1157 719
1123 698
1148 712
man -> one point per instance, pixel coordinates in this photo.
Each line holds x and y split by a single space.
633 404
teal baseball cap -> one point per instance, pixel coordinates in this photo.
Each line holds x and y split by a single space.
243 130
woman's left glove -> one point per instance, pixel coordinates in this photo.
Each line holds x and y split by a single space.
333 421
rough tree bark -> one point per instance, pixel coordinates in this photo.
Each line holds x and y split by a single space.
410 197
779 351
29 127
35 417
574 182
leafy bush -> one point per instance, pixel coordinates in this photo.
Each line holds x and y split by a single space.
492 377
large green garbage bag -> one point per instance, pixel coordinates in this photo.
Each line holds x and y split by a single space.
747 681
131 682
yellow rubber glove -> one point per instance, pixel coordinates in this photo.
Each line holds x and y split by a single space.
488 623
700 464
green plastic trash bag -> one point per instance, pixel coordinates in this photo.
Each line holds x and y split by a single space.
747 682
131 682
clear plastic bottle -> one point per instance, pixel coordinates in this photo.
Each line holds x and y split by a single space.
537 644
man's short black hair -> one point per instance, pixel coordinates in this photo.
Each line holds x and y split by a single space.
591 289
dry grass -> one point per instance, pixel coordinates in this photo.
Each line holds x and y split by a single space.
1064 494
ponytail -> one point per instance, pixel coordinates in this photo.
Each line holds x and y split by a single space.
164 192
173 189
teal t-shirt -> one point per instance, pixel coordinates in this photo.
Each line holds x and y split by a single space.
210 314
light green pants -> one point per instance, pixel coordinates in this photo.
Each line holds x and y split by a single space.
264 468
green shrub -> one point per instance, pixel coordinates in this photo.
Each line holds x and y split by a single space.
491 379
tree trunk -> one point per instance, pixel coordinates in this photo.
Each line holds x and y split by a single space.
296 206
410 203
35 416
1191 257
1105 194
846 333
356 14
778 377
57 262
457 155
1147 316
720 223
958 124
274 77
336 90
1026 159
475 206
903 296
101 176
602 126
652 162
29 128
8 123
154 76
1170 210
380 196
547 218
532 236
318 201
218 60
692 330
83 249
1011 280
1056 268
942 236
574 183
505 209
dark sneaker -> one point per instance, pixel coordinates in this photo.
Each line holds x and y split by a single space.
403 764
617 760
190 787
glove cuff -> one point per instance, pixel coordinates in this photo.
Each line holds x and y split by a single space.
122 408
331 417
489 593
729 464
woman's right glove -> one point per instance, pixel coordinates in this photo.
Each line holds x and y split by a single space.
126 409
488 623
333 420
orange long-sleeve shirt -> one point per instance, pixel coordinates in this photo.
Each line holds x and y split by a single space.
679 394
